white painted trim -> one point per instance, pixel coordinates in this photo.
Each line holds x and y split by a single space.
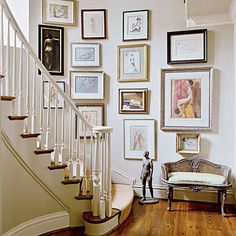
42 224
232 10
129 179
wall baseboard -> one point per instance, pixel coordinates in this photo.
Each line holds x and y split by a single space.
41 225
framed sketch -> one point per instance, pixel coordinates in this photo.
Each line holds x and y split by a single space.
87 85
186 98
93 23
187 46
51 48
94 114
135 25
59 12
85 54
133 63
133 101
188 143
53 91
139 136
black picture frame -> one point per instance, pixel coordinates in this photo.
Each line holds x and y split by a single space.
187 46
51 48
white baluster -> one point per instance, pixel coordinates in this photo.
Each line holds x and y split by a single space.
20 98
13 110
85 170
70 167
2 43
39 138
108 180
90 189
62 151
47 141
33 118
8 56
77 149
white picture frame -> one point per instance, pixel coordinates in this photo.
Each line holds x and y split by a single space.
86 85
139 136
85 54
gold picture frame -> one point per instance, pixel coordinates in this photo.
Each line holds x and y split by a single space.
187 143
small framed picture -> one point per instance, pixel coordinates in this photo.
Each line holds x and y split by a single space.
133 63
59 12
135 25
188 143
85 54
187 46
51 48
133 101
94 114
186 98
87 85
53 91
93 23
139 136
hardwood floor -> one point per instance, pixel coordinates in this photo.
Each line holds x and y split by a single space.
185 219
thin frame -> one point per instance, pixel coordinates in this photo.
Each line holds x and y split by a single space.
51 48
135 25
132 63
61 102
187 143
85 54
59 12
187 46
87 85
93 23
186 98
133 101
139 136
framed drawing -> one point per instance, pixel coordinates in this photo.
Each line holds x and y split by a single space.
133 101
187 46
87 85
139 136
93 23
52 91
94 114
51 48
85 54
132 63
135 25
59 12
186 95
188 143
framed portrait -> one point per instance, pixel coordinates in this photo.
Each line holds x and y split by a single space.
139 136
187 143
186 98
59 12
59 100
133 63
85 54
94 114
133 101
187 46
135 25
87 85
93 23
51 48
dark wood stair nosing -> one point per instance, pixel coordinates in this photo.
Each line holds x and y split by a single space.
43 151
17 117
7 98
30 135
67 181
84 197
57 166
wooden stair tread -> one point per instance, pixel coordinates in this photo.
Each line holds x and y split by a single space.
71 181
7 98
57 166
17 117
84 197
43 151
30 135
88 216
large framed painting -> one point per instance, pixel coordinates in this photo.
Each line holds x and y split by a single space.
51 48
187 46
135 25
59 12
186 98
139 136
87 85
132 63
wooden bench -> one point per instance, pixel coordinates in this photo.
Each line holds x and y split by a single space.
196 173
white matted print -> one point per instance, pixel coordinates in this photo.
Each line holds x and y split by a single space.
87 85
59 12
85 54
139 136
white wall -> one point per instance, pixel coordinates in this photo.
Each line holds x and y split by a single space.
217 145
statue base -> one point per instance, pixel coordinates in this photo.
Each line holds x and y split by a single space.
147 200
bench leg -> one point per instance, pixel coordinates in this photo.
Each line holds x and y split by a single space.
219 196
223 198
170 197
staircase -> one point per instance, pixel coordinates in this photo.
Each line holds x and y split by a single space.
76 154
